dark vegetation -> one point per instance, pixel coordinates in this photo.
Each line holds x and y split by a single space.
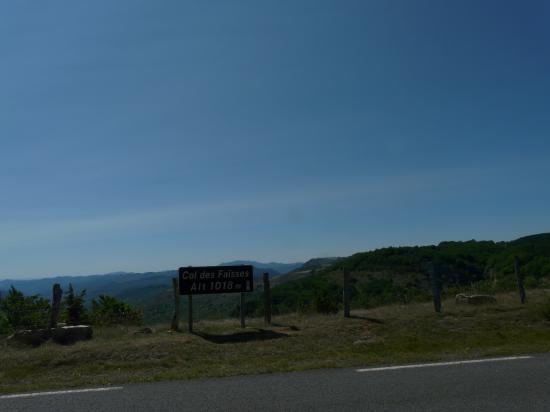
399 275
380 277
18 312
150 292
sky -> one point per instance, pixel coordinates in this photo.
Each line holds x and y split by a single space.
149 135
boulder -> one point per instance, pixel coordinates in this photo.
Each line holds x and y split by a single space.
67 335
462 298
145 331
34 337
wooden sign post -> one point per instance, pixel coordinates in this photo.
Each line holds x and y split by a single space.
521 288
56 305
436 285
190 313
176 317
346 297
242 310
267 300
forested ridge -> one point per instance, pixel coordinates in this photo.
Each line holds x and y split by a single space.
400 275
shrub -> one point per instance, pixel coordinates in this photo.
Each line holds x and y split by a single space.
25 312
323 302
75 312
108 310
5 327
545 309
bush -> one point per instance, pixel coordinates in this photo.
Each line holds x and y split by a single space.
323 302
545 310
5 327
25 312
108 310
75 312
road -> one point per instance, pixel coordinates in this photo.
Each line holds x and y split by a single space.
515 384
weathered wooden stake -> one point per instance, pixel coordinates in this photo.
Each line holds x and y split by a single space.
346 297
436 285
176 318
522 296
56 305
190 313
267 299
242 310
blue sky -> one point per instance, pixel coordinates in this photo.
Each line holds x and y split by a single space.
147 135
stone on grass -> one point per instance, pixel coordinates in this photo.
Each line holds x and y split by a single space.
34 337
462 298
145 331
67 335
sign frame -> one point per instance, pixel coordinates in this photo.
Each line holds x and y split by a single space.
210 280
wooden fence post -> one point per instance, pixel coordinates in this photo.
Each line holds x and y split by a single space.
433 271
242 309
176 318
267 299
56 304
346 293
190 313
522 296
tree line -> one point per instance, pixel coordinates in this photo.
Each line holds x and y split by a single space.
19 311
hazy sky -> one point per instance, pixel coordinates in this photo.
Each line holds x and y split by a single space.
147 135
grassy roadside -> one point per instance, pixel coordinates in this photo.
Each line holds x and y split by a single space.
386 335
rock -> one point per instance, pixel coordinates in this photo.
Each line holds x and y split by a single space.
145 331
67 335
462 298
64 335
35 337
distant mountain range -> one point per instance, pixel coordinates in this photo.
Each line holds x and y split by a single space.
387 275
279 268
120 284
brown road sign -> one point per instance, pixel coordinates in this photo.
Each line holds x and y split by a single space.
203 280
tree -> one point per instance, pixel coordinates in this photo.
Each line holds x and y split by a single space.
324 303
108 310
25 312
5 326
75 312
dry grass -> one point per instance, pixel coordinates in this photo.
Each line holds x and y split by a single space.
392 334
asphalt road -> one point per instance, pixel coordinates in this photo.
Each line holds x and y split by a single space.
503 385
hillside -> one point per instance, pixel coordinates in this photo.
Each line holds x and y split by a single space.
151 292
382 276
276 268
399 274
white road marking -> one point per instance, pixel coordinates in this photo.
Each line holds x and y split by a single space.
428 365
31 395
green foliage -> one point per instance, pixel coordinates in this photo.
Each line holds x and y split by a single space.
316 293
5 327
545 309
324 303
75 311
24 312
377 291
400 275
107 310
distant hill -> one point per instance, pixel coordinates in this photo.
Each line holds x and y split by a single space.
276 268
112 284
149 291
392 274
399 274
308 268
